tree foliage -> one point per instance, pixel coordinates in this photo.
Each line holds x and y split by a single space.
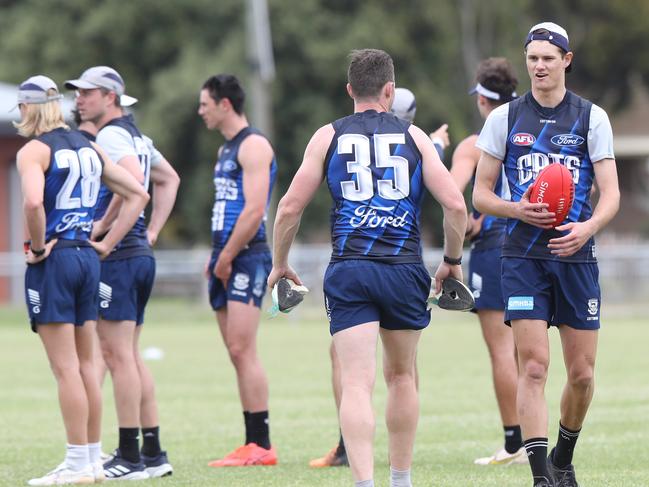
165 49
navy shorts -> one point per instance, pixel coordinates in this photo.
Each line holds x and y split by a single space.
484 279
360 291
125 288
63 287
557 292
250 270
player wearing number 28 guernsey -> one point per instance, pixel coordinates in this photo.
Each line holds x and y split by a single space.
60 175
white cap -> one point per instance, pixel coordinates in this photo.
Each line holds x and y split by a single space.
404 105
102 77
34 90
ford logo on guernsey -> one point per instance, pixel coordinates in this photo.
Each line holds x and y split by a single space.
367 216
524 139
567 140
229 165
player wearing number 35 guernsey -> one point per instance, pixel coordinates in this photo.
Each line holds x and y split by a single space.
377 168
60 173
550 275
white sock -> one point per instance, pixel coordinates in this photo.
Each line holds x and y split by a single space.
364 483
77 457
94 452
400 478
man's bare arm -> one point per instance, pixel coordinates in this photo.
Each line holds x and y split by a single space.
165 188
305 183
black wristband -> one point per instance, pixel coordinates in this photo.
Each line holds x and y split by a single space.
452 261
37 253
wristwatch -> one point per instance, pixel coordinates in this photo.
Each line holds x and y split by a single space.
452 261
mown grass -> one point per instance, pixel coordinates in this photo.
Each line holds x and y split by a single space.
201 417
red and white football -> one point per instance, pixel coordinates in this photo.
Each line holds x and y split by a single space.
555 187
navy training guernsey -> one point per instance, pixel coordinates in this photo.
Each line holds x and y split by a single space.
120 137
375 176
72 183
229 199
492 230
537 136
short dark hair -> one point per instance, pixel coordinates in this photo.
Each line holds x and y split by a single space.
497 74
369 70
226 86
118 100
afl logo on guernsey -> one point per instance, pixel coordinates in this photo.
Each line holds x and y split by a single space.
567 140
523 139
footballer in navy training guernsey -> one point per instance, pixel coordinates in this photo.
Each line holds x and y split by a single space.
495 84
244 175
404 106
550 275
377 168
127 273
60 173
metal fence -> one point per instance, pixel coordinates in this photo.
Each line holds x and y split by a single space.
624 271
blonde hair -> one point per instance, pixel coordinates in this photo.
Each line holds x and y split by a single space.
41 117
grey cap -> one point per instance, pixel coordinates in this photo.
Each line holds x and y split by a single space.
404 105
34 90
102 77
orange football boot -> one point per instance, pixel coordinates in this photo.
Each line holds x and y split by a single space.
247 456
331 459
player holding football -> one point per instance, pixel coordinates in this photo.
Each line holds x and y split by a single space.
550 276
377 167
496 84
127 273
404 106
60 173
244 176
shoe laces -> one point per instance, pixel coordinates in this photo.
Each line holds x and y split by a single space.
62 467
566 478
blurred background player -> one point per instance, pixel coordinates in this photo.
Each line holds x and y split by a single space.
244 176
127 273
404 106
550 275
376 283
496 84
60 173
163 183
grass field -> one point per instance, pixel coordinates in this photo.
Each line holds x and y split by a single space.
201 417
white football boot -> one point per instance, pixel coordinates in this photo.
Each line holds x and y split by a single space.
502 457
63 475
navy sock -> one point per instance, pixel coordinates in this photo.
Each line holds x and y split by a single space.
129 444
562 456
246 422
257 429
513 438
341 446
537 452
151 441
